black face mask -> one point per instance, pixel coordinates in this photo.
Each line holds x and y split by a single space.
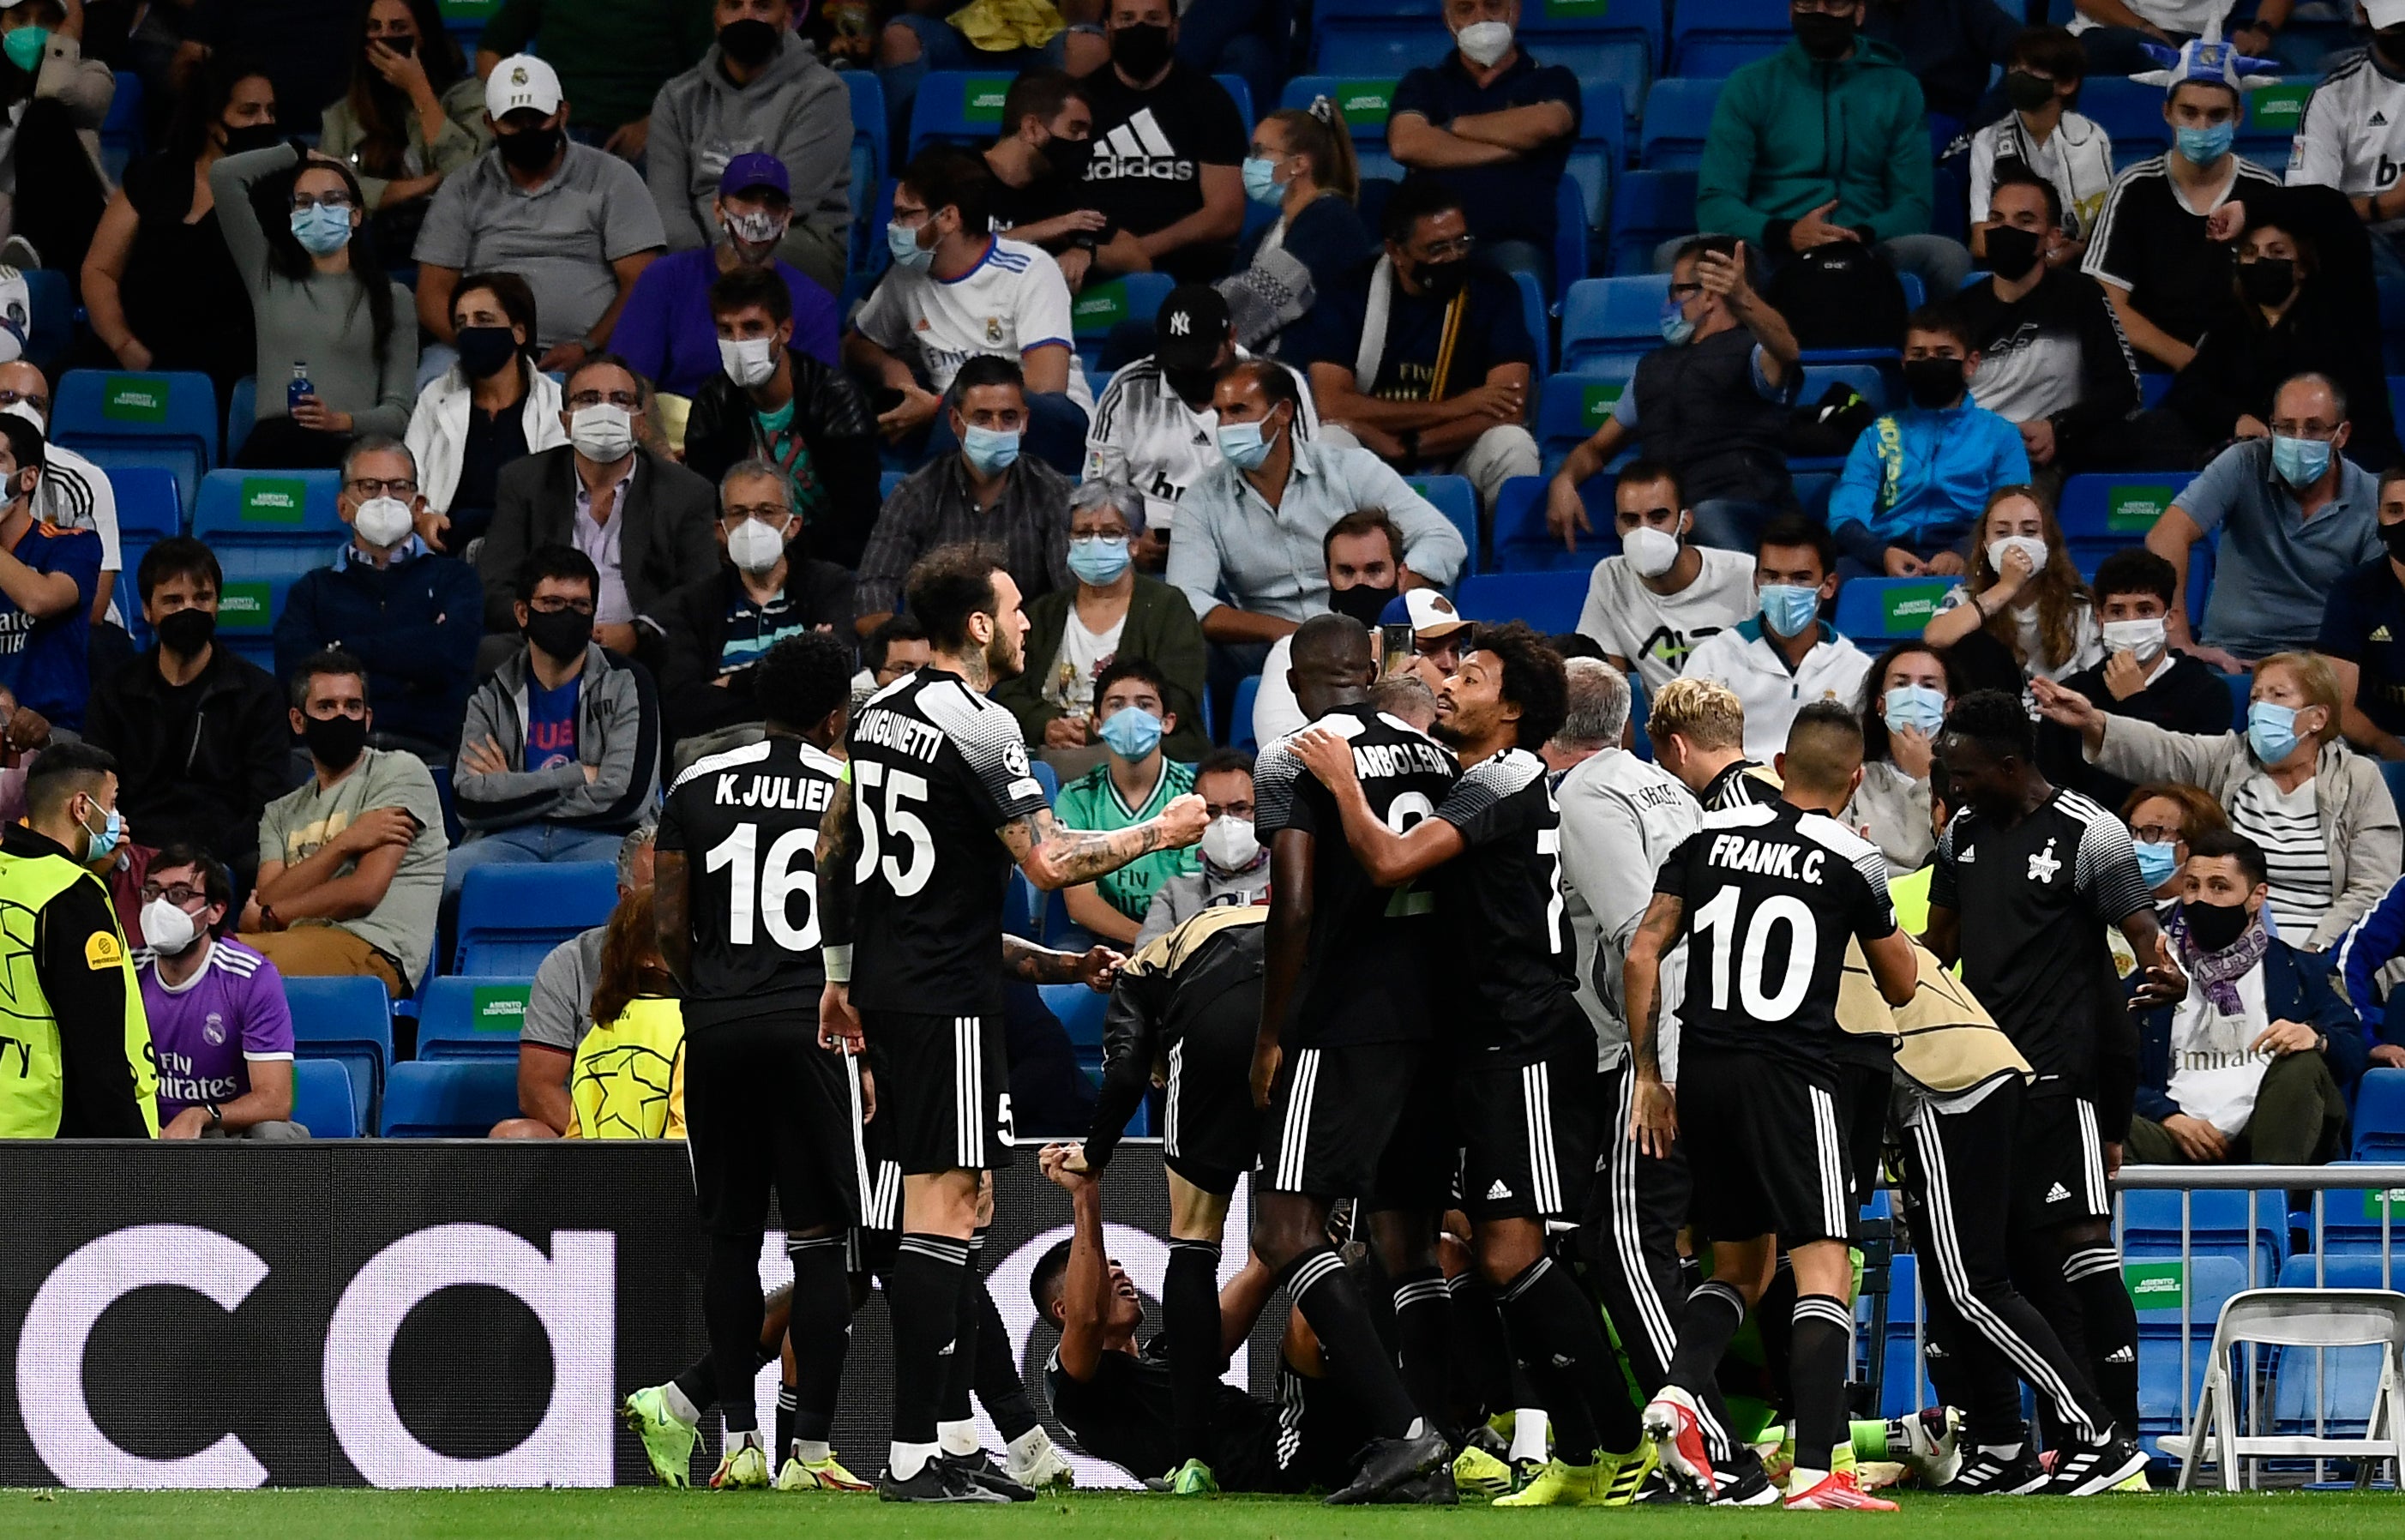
747 42
1443 280
485 350
1933 382
1823 36
2268 280
2393 537
561 633
2027 91
335 742
2213 926
1193 386
1365 602
2011 253
2390 45
1141 51
185 632
529 149
250 136
1066 158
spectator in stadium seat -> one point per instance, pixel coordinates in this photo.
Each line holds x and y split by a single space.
1256 526
1153 110
1649 606
490 407
1786 654
917 38
1135 780
643 519
2320 811
612 55
2066 150
350 862
411 616
759 89
1919 478
1712 404
2023 591
1906 693
414 113
73 493
1951 46
769 585
316 307
2375 942
2295 515
771 402
2141 675
2165 819
1038 162
1824 141
219 1021
1301 163
576 223
2252 1067
1363 556
1444 389
2152 246
2363 634
560 1007
1112 611
2116 34
1497 127
2355 140
48 577
199 734
73 93
1231 865
957 292
898 646
2051 360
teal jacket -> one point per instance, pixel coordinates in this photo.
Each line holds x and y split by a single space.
1790 133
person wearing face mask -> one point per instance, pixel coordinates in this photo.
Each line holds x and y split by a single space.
73 493
760 89
1232 865
2022 598
1787 655
1111 610
56 100
1134 781
576 222
2254 1066
490 407
2141 673
48 576
198 732
414 113
1176 210
2165 821
610 57
1039 169
2320 811
409 614
2065 149
1302 164
1905 695
560 755
2360 122
1442 386
1650 606
1363 555
219 1020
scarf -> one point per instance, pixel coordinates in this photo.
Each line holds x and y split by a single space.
2218 972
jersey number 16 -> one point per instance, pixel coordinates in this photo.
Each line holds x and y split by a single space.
767 886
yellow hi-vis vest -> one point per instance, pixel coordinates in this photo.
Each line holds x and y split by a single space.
32 1081
629 1078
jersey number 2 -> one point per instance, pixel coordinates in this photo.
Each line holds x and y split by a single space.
1719 919
767 887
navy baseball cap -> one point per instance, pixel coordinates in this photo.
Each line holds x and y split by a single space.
753 170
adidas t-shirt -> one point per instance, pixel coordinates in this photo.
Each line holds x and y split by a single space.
1013 300
2365 624
1657 631
1146 172
2351 136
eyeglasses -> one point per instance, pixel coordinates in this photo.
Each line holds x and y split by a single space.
180 894
627 399
1439 251
560 606
1685 290
40 403
2311 427
2156 834
322 200
1229 810
403 487
772 514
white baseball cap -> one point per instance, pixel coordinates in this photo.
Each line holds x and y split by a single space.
522 80
1431 613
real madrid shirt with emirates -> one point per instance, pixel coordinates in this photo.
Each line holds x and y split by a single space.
1012 300
2352 136
1145 433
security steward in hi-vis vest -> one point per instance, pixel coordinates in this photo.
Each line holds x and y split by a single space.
75 1060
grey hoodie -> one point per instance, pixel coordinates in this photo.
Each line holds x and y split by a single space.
796 109
617 732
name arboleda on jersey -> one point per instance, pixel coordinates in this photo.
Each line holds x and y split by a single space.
1765 857
1371 761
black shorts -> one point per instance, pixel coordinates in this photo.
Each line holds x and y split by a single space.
1210 1131
766 1107
1528 1137
1365 1120
946 1087
2057 1164
1765 1145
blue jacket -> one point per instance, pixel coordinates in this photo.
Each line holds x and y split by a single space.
1917 479
2374 943
2296 988
415 624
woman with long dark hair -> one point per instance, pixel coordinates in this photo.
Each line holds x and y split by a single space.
2023 590
414 114
1905 697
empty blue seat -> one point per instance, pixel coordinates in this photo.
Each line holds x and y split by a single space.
1888 609
1572 407
1548 602
1458 500
449 1099
1709 41
957 108
121 131
471 1016
322 1101
2352 1220
350 1022
1364 99
1378 36
148 510
1904 1387
869 157
1613 318
511 916
268 528
1240 91
1569 243
1599 155
2273 115
2379 1116
1136 297
1080 1011
2216 1226
119 417
1677 120
1532 316
2129 111
2169 1305
1648 207
1240 731
1047 777
1618 41
1522 542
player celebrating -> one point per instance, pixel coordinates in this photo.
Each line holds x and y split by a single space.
1522 1063
764 1105
916 863
1767 897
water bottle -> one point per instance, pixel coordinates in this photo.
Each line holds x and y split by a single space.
300 385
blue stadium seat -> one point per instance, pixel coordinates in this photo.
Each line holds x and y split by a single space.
148 511
1869 381
1618 41
1648 207
2217 1226
1240 90
2167 1306
1710 41
1613 318
472 1017
1599 155
1080 1011
1364 99
1570 235
449 1099
957 108
1240 730
322 1101
1047 777
118 418
1098 307
1678 118
49 321
2379 1116
2273 114
268 528
121 131
1378 36
2103 513
242 413
1572 407
2131 111
2241 690
1549 601
347 1021
1522 543
2352 1218
511 916
869 156
887 481
1532 316
1458 500
1888 609
1904 1388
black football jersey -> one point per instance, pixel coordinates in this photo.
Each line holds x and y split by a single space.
1511 987
1367 975
937 769
747 822
1740 784
1771 894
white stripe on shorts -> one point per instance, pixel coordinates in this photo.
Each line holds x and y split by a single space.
1537 1106
1294 1140
1831 1162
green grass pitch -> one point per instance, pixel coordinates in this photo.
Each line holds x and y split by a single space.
651 1513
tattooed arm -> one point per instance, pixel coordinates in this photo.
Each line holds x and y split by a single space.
1036 965
1056 857
838 846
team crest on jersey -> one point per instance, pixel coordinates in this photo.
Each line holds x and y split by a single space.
2044 864
993 329
1014 759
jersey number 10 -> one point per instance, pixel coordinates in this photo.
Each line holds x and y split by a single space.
1719 919
767 887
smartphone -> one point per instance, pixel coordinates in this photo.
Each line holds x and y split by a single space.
1395 649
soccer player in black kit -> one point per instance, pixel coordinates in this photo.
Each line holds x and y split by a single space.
739 923
1767 897
916 863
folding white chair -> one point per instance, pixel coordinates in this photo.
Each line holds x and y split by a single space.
2293 1319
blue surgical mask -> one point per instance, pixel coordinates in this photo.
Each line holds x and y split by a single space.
903 241
1675 328
1260 183
320 230
2202 146
1918 707
1131 732
2271 730
1787 609
1097 559
2156 863
990 449
2300 462
1242 444
104 841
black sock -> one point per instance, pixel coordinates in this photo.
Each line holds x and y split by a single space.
1714 1312
1555 1325
968 1314
784 1444
1323 1291
2110 1324
1774 1317
699 1382
1821 1353
821 1331
924 1304
1423 1330
731 1308
1481 1354
1189 1318
999 1387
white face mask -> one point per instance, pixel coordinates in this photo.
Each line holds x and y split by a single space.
602 433
1651 551
1228 843
167 928
383 522
2031 543
753 547
750 361
1483 42
2145 637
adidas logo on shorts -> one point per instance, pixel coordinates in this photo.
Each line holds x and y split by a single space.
1499 1191
2122 1355
2058 1193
